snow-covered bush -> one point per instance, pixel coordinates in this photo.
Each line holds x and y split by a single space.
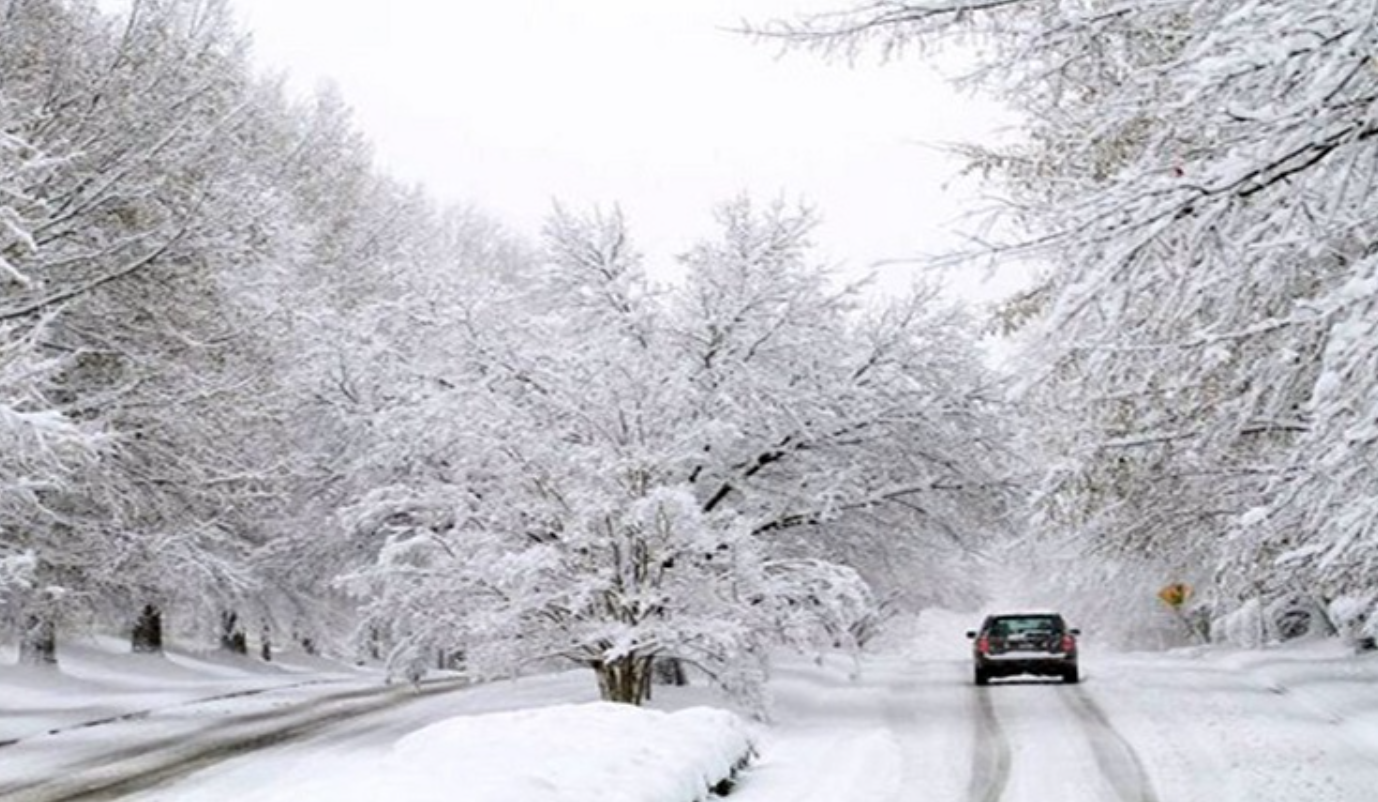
1353 617
1297 616
1242 626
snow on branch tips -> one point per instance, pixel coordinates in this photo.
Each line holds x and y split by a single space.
624 477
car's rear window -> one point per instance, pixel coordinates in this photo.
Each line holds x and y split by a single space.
1021 624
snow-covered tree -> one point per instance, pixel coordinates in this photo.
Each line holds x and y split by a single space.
41 453
853 428
1197 177
610 473
219 282
142 220
41 449
373 338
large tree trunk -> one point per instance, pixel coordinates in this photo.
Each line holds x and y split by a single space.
38 640
625 680
147 637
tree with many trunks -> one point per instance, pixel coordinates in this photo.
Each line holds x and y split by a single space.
612 473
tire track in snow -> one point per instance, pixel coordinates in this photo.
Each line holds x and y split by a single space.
135 715
990 766
149 764
1116 758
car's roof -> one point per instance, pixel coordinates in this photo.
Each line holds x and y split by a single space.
1032 614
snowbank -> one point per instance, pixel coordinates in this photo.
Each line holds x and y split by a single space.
568 753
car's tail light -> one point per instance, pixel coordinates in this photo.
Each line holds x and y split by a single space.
1069 644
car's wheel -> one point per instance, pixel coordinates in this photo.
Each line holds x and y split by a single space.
1071 675
982 678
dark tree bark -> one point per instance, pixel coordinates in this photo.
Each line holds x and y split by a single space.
375 643
669 671
232 637
38 640
625 679
147 637
308 645
265 649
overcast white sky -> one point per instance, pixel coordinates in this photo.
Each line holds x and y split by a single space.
646 103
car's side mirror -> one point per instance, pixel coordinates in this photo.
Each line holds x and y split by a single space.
971 634
1075 631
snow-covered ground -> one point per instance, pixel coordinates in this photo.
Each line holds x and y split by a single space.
1296 723
99 680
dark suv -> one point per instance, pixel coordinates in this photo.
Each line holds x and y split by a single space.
1025 643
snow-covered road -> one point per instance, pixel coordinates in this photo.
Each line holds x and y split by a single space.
114 758
1298 724
1142 728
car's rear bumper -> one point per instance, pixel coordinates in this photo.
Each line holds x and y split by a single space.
1051 666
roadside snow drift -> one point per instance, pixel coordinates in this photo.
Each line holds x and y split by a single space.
570 753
